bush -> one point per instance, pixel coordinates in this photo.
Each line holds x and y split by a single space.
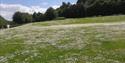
22 18
50 14
37 17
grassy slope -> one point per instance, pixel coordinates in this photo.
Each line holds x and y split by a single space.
105 19
2 21
36 44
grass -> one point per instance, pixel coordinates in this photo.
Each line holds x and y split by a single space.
117 44
36 44
105 19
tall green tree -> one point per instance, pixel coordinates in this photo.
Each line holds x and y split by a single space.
75 11
50 14
22 18
63 9
37 17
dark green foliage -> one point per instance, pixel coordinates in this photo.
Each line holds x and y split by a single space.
3 22
22 18
62 10
92 8
83 8
75 11
50 14
13 24
37 17
81 1
103 7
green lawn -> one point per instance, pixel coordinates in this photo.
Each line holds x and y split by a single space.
38 44
105 19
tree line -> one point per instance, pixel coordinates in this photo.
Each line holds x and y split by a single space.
83 8
22 18
4 23
87 8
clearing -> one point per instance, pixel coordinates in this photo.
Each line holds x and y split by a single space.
83 40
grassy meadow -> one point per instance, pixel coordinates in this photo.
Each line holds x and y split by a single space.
99 19
58 42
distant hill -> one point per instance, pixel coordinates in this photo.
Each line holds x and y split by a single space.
3 22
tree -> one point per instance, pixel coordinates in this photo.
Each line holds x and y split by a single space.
37 17
63 8
75 11
50 14
34 16
17 18
103 7
22 18
27 18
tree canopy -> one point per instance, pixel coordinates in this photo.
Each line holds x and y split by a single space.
103 7
37 17
83 8
50 14
21 18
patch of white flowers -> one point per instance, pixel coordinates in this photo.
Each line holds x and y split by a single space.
62 37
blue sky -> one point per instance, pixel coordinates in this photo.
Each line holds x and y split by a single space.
9 7
43 3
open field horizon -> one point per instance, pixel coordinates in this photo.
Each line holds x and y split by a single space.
81 40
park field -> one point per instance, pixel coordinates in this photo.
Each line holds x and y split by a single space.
79 40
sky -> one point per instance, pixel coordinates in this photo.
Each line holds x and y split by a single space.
9 7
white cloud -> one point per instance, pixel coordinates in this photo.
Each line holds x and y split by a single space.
7 10
55 6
